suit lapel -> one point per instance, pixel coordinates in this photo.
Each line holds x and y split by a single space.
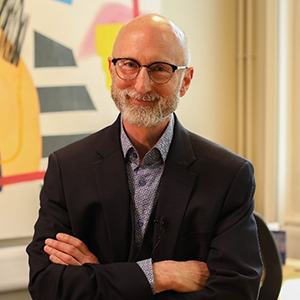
111 177
176 188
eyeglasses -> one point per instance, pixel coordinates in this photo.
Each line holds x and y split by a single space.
159 72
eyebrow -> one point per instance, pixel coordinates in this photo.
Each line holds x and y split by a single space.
154 62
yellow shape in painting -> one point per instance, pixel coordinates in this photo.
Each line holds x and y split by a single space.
20 138
105 37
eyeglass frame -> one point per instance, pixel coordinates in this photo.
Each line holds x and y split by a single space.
174 68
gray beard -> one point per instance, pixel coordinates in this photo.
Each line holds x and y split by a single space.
144 115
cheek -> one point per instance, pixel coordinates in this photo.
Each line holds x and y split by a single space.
167 89
170 88
121 84
164 90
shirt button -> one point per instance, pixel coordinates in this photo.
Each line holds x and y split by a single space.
134 155
142 181
140 223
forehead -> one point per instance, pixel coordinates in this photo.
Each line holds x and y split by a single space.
147 43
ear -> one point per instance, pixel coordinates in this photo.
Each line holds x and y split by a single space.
189 73
110 64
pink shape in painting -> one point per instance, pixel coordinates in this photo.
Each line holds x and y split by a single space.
108 14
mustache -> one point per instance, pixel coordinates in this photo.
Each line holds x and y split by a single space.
150 97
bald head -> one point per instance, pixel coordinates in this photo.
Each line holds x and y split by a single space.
159 30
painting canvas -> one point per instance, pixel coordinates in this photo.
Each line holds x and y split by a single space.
54 89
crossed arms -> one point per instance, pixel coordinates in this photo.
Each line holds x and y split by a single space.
168 275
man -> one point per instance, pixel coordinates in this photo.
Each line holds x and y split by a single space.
144 208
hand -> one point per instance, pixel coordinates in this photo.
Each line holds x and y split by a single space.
68 250
183 277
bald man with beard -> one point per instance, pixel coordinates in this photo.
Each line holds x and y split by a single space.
144 208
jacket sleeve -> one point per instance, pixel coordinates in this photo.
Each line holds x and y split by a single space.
234 258
48 281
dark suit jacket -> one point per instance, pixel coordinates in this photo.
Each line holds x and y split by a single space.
204 212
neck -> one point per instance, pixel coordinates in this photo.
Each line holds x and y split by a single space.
144 138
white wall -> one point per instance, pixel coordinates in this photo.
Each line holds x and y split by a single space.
209 108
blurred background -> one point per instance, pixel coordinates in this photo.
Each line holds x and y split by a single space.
54 89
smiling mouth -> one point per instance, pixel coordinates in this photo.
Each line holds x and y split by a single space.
141 101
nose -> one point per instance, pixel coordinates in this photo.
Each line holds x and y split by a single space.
143 82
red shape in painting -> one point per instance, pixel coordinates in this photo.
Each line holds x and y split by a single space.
21 177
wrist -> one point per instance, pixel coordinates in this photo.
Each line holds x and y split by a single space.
163 276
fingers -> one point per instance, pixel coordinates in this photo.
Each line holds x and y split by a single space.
73 241
69 250
60 257
56 260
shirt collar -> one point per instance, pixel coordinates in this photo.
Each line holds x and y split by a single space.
162 145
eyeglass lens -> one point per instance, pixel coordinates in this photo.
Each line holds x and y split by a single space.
159 72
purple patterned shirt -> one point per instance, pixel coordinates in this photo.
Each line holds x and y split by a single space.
143 182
